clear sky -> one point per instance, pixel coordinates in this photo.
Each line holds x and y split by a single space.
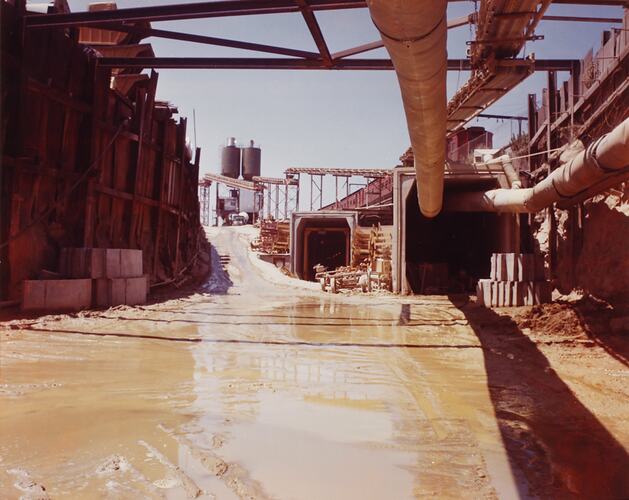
327 118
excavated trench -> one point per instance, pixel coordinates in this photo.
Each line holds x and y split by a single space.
260 386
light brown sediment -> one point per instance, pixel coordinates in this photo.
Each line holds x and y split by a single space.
254 388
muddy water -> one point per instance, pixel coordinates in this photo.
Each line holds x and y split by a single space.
251 389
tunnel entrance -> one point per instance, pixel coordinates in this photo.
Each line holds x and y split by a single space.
450 252
325 246
320 238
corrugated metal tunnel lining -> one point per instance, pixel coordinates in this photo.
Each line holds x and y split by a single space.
414 33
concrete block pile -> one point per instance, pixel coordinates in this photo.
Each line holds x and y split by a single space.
92 277
515 280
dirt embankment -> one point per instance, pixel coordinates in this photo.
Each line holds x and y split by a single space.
591 250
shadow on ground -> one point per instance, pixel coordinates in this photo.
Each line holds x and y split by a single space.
557 448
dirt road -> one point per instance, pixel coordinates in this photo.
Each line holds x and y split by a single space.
258 387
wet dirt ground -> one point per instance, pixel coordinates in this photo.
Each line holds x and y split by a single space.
258 386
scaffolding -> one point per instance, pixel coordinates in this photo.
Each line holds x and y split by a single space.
342 184
282 196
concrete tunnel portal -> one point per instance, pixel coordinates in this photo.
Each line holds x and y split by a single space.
449 252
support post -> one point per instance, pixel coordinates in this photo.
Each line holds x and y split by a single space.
286 201
160 198
532 112
182 165
551 103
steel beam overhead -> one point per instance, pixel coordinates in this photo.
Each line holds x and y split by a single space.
358 49
295 64
341 172
209 40
221 8
580 19
315 31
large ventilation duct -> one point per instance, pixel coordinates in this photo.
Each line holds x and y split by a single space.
604 158
414 32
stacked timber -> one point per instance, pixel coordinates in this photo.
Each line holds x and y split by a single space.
371 264
380 245
361 243
98 277
274 237
516 280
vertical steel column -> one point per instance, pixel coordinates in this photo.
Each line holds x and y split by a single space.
269 195
532 127
551 96
217 203
575 76
311 191
277 202
320 192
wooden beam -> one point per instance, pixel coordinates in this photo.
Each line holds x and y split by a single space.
182 165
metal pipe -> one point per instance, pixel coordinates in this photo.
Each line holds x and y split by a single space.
604 158
512 176
414 33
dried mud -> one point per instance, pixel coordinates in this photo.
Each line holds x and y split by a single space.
258 386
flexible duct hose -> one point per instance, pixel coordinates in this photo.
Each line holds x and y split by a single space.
604 157
414 33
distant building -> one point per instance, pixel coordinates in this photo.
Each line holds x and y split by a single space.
461 145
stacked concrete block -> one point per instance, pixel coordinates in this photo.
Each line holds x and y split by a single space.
118 291
100 262
515 280
121 281
57 295
100 277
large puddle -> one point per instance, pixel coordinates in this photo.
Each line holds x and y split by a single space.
252 391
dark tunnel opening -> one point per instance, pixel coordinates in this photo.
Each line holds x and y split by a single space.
326 247
450 252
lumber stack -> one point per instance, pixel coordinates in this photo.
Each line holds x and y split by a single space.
380 245
274 237
515 280
361 245
371 264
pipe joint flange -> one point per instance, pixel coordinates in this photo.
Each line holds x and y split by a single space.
590 156
409 40
563 196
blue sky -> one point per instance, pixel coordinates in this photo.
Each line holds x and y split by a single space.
327 118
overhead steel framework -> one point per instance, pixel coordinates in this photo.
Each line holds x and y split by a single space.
209 178
303 64
117 20
223 8
342 178
341 172
473 98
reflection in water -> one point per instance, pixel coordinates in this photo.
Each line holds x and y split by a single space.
304 422
262 391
